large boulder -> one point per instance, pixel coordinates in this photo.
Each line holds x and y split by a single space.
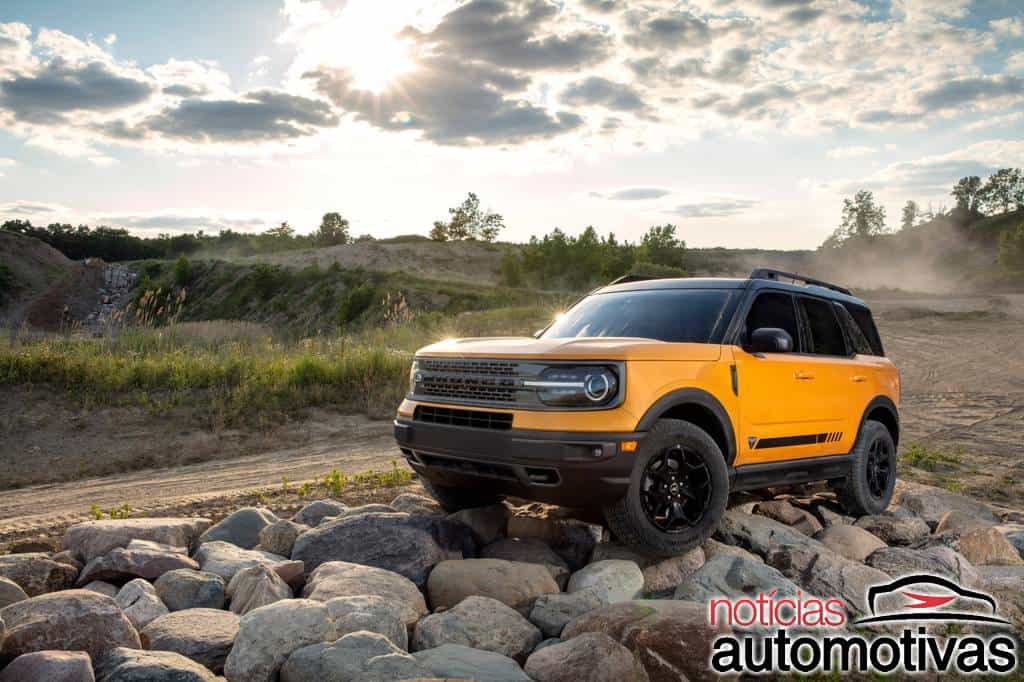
957 520
757 534
359 655
72 620
931 503
241 528
91 539
317 510
822 572
612 580
101 587
981 545
279 537
943 561
202 635
487 523
480 623
10 592
226 559
191 589
603 659
254 587
130 665
734 577
513 583
785 512
458 662
386 617
342 579
49 666
408 545
140 603
671 639
122 564
411 503
530 551
551 612
574 540
852 542
37 573
661 574
893 529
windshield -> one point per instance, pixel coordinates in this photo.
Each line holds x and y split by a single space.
675 315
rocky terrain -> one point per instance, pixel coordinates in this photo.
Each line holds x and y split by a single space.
403 591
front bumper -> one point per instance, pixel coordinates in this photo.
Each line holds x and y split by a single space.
573 469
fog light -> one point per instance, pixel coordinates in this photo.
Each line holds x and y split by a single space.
628 446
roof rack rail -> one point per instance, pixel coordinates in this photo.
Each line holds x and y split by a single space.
768 273
632 278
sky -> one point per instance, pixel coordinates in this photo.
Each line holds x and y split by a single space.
743 122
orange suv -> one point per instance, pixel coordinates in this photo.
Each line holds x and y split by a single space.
652 399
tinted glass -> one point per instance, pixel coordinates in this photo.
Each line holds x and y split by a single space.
826 335
853 333
862 316
773 310
676 315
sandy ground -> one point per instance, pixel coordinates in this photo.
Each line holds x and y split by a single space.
961 360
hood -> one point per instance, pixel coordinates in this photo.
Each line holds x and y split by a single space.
603 348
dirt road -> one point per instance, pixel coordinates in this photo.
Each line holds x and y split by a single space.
962 363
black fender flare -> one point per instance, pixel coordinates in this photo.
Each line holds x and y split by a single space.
885 403
693 396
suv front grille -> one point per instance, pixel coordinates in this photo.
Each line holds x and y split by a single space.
464 379
477 419
459 366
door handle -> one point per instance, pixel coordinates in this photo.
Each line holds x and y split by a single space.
858 378
802 376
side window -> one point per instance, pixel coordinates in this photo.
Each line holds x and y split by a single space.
862 316
773 310
853 333
826 335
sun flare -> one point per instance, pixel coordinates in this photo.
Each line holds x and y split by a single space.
366 42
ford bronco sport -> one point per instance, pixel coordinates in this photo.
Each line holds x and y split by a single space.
652 399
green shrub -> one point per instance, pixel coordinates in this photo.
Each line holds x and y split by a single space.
182 272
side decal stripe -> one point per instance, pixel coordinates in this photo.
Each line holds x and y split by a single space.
789 441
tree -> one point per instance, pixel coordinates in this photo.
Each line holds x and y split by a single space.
966 192
862 217
469 222
661 246
1011 249
1003 191
910 214
282 231
333 230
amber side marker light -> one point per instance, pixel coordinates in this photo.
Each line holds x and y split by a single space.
628 446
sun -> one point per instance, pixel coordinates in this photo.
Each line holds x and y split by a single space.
366 43
378 67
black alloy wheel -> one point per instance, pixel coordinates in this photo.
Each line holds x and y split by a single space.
676 489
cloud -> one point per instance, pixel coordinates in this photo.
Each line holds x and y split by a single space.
722 208
603 6
179 221
601 91
885 117
996 121
110 39
7 163
672 30
633 193
851 152
29 208
1012 27
963 91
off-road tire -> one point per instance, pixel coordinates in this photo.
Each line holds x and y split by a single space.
627 519
457 499
855 494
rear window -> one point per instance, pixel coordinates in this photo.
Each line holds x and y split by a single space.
826 336
674 315
862 316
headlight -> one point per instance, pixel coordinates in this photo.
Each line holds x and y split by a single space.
576 386
414 376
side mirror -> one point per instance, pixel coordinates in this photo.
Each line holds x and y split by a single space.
770 340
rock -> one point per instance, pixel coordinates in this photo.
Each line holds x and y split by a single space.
190 589
784 512
831 517
254 587
49 666
713 548
101 587
37 574
958 520
130 665
943 561
140 603
604 659
41 543
66 557
671 639
758 534
410 503
852 542
385 617
241 528
664 575
457 662
572 539
981 545
931 503
1015 536
122 564
513 583
279 537
480 623
822 572
530 551
414 544
226 559
155 546
312 513
361 509
487 523
356 656
10 592
72 620
735 577
551 612
202 635
895 530
91 539
342 579
612 580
